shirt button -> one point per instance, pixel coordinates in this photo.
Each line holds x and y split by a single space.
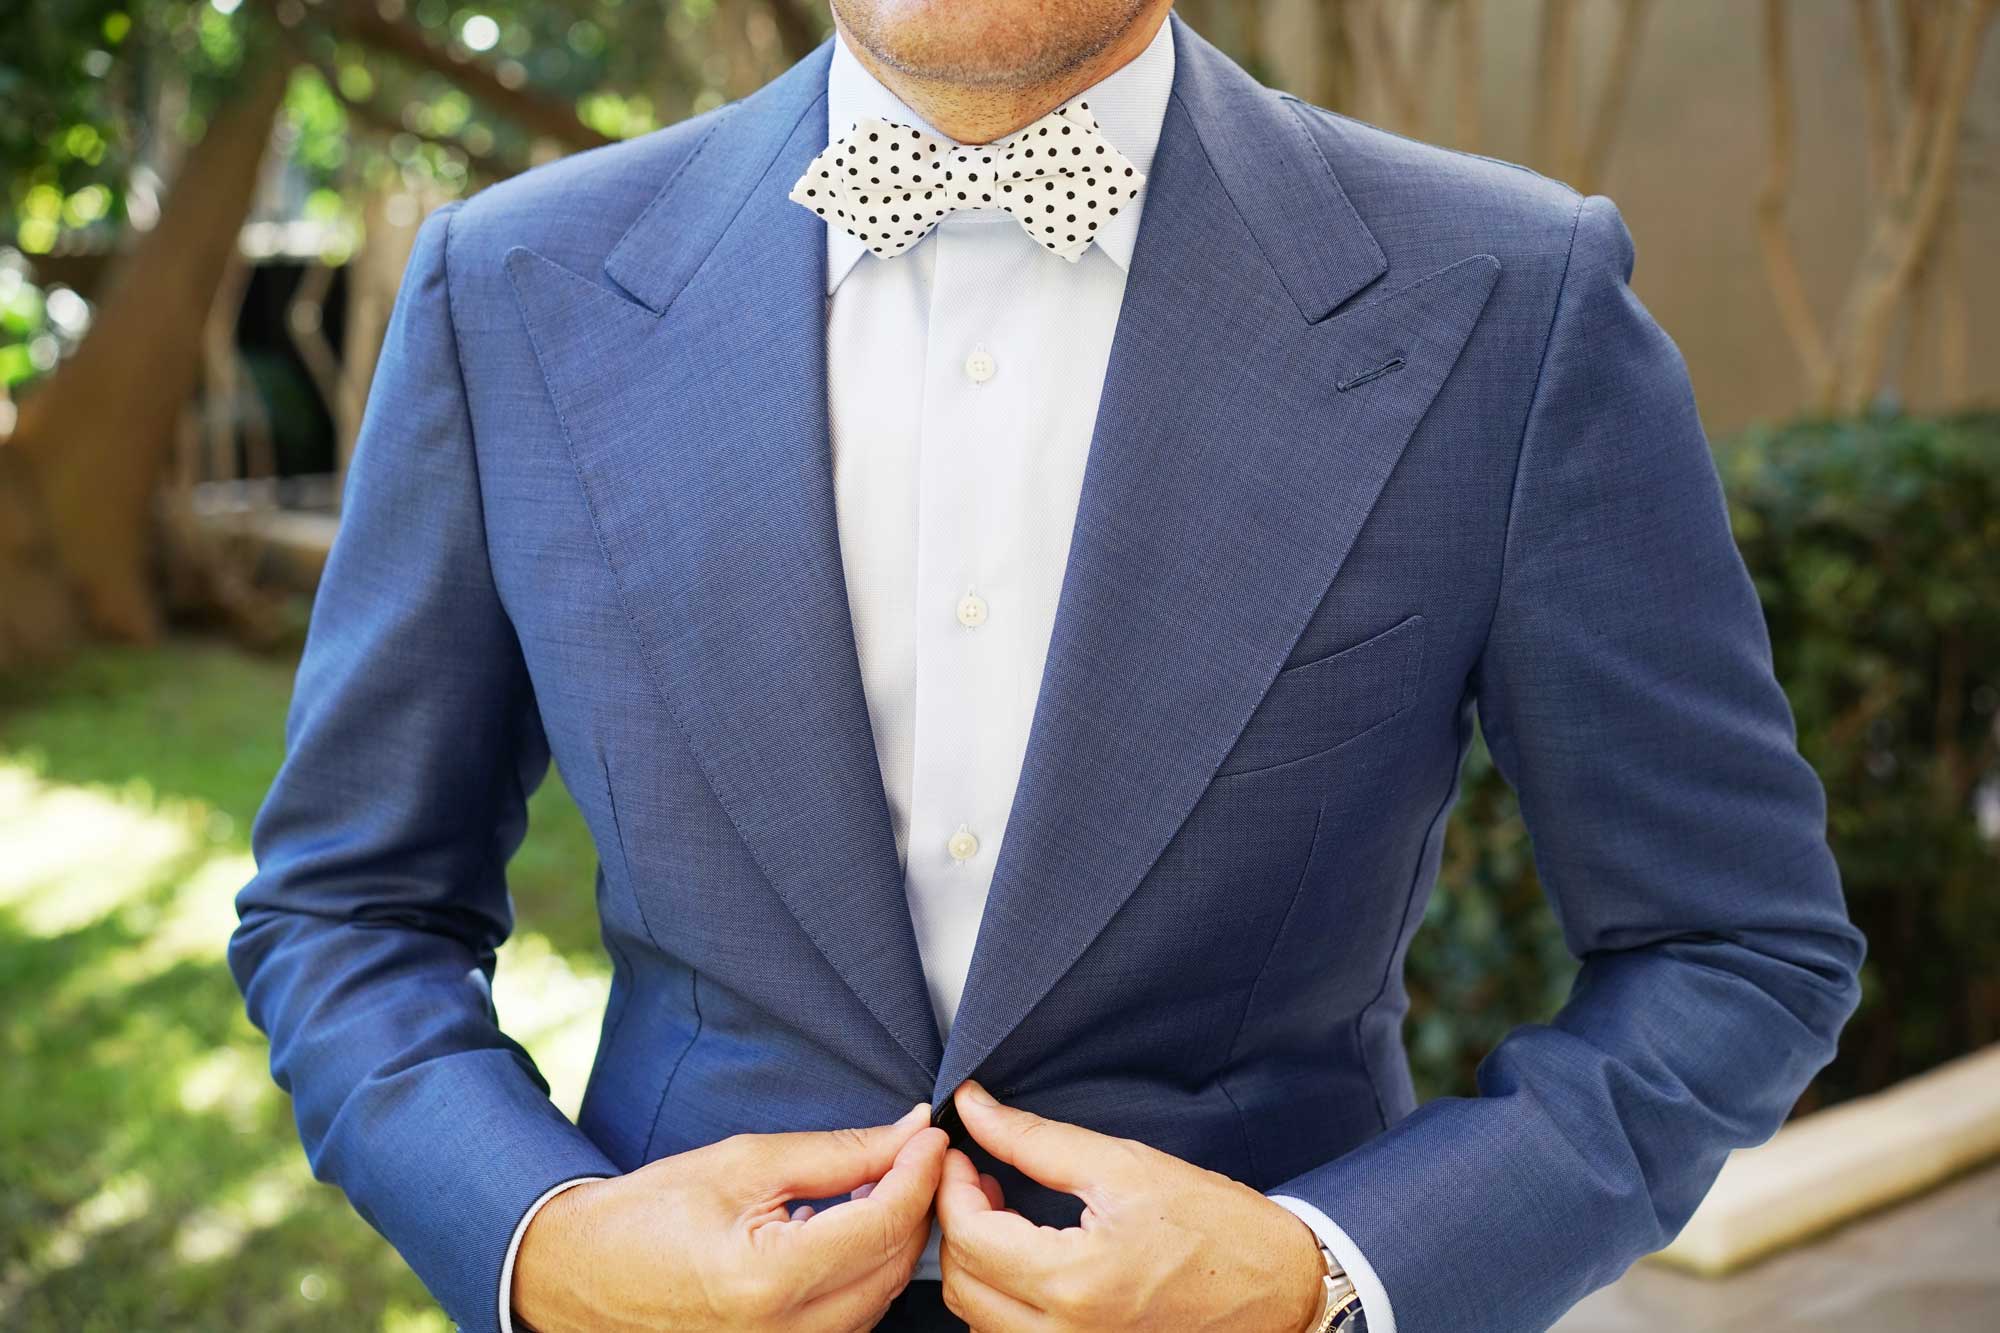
972 610
979 366
962 845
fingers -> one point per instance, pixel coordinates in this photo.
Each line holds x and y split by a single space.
1063 1157
822 1164
862 1303
1009 1250
993 1191
904 1194
852 1239
997 1245
987 1309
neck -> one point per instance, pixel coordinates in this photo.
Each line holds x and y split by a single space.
981 113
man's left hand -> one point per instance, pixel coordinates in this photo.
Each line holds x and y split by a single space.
1162 1243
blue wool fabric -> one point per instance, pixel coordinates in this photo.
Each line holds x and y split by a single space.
1385 442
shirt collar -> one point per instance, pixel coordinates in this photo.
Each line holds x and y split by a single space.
1129 105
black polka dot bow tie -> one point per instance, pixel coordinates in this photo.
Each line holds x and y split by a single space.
888 184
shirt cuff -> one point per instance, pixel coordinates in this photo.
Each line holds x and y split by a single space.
514 1247
1374 1297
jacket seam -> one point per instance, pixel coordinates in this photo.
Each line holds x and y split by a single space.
1299 127
1461 729
1235 207
742 203
723 113
1370 125
1528 418
509 772
660 1106
617 1020
1257 982
449 210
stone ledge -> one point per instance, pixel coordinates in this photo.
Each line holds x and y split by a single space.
1833 1165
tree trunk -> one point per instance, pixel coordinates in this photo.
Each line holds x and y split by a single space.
94 440
37 612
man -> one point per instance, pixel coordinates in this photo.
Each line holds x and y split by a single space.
1016 428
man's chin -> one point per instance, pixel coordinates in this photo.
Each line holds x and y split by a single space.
1004 44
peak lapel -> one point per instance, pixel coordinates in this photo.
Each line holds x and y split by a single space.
697 420
1228 476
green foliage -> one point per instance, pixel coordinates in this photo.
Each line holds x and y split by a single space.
92 90
78 79
1875 547
37 325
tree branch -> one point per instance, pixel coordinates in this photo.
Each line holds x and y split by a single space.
360 21
1875 95
1466 68
1613 96
1905 229
1780 265
1397 79
374 114
1555 100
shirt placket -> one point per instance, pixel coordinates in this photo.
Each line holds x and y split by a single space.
968 614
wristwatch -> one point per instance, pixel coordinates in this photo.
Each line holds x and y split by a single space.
1340 1303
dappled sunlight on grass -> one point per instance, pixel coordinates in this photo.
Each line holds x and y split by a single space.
218 1229
153 1176
73 854
64 1245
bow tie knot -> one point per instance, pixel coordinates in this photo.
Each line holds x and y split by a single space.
888 184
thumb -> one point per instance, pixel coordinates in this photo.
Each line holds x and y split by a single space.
1061 1156
818 1164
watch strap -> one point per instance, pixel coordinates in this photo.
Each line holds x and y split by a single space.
1340 1303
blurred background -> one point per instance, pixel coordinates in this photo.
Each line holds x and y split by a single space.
205 206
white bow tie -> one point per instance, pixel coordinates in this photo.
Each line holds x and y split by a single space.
888 184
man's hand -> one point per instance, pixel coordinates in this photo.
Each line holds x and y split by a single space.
1162 1244
707 1239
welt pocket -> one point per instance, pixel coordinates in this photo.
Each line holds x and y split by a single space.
1314 706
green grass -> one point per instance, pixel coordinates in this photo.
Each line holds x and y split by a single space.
150 1175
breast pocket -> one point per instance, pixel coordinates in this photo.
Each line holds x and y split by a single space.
1315 706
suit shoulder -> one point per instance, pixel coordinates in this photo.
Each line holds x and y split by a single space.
1439 204
574 209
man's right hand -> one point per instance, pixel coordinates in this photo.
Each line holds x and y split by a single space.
708 1240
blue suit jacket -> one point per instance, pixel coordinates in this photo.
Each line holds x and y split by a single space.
1385 440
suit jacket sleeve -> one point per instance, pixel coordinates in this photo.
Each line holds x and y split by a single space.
1626 692
367 937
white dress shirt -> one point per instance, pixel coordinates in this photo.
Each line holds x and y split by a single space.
963 379
962 384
